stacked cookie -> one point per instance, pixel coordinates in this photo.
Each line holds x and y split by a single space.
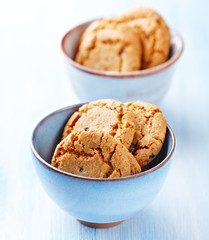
139 39
107 139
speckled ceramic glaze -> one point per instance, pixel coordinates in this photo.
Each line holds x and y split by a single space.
95 202
149 85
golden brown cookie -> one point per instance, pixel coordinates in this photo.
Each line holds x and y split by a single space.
105 115
150 131
106 47
94 154
153 32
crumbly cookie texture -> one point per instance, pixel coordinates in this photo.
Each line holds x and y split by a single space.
153 33
94 154
150 131
106 47
106 115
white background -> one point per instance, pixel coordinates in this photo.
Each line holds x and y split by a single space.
33 83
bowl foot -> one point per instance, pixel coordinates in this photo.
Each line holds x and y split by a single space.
99 225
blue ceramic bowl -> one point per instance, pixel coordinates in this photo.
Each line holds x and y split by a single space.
148 85
95 202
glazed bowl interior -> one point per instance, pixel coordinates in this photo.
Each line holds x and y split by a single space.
70 43
48 133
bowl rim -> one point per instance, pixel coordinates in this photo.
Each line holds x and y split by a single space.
49 166
108 74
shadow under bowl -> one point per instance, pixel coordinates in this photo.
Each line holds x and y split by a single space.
95 202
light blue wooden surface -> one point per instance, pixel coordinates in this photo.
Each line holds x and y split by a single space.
33 82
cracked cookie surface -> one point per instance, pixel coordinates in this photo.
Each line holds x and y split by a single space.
94 154
153 32
105 115
106 47
150 131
